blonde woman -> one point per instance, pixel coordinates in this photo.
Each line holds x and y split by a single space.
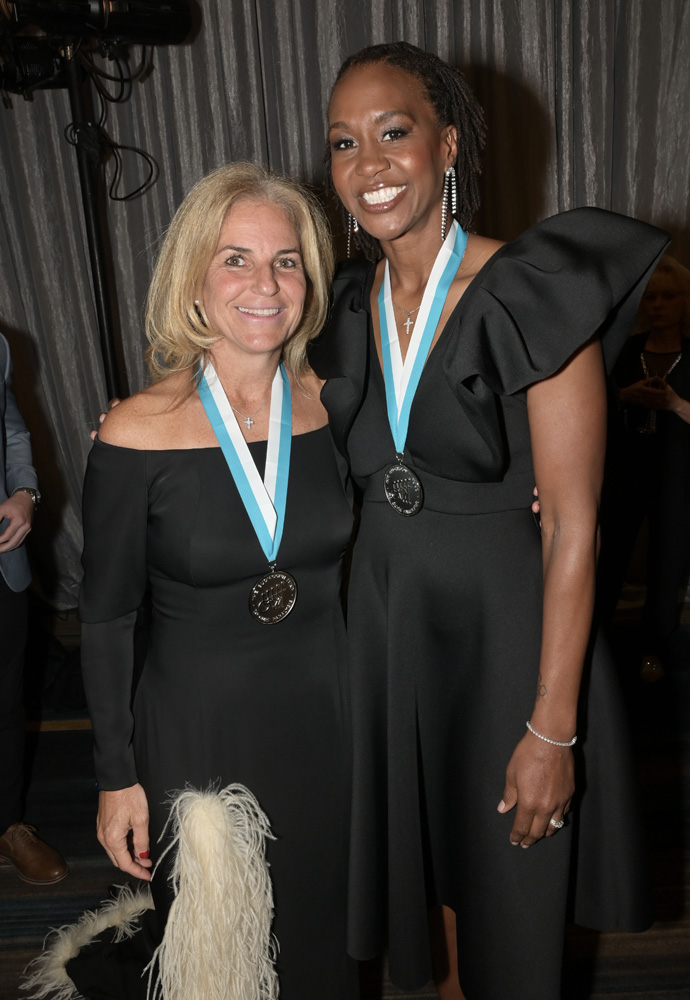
242 675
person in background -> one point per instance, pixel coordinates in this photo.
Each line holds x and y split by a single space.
34 860
648 471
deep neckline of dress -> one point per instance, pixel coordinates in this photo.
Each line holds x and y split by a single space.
466 295
186 451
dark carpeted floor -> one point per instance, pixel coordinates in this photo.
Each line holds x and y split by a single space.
61 803
650 966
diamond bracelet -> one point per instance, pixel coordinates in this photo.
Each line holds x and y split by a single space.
555 743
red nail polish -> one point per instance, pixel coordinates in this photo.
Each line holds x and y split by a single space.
143 854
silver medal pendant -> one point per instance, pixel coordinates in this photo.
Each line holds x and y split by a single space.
403 490
273 597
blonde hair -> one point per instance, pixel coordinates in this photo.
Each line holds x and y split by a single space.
671 276
178 331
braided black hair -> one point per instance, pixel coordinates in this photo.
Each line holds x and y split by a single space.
454 104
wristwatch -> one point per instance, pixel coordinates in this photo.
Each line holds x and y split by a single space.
34 494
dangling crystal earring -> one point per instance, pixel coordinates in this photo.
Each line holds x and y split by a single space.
352 227
449 194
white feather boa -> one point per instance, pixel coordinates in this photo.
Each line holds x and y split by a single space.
46 975
217 943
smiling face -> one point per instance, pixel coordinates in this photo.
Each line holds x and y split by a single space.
388 151
254 289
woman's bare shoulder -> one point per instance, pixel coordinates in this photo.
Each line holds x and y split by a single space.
478 252
310 383
481 249
150 419
308 412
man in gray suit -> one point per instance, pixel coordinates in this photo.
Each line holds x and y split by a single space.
34 860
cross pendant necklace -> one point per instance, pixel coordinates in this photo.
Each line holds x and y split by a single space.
247 418
409 322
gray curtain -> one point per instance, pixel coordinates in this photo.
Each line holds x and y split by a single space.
587 103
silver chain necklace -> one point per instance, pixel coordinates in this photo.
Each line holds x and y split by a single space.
409 322
247 420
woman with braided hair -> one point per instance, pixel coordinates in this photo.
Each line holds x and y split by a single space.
462 371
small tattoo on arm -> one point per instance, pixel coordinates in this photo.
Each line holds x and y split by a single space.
541 688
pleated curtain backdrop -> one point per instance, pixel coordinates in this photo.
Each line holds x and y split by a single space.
587 103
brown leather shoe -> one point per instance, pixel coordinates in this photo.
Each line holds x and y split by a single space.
34 860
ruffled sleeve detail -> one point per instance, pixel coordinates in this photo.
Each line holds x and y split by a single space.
543 296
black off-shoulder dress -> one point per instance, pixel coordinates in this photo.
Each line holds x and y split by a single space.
223 698
444 623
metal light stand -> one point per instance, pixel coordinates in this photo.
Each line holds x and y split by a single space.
115 378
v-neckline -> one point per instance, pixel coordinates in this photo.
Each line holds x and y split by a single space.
467 294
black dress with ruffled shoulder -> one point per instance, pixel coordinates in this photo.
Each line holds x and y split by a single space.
444 623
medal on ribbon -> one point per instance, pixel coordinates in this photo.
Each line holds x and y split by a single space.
273 596
403 487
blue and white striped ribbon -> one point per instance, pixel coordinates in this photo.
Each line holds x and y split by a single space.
401 379
265 500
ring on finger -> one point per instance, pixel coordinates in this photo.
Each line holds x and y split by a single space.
556 823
